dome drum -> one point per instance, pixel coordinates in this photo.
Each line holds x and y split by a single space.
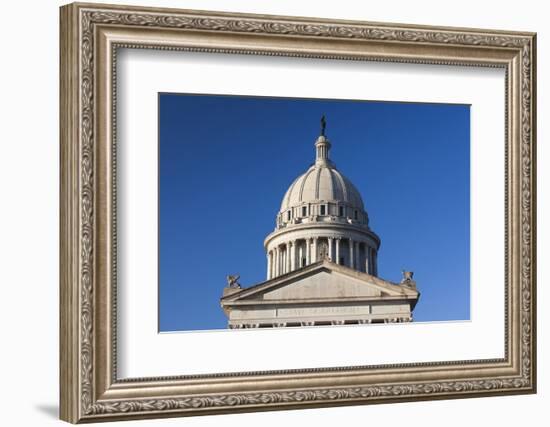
285 235
285 257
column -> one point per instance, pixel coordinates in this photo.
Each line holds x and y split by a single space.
308 251
269 265
374 266
288 257
330 239
315 250
274 264
293 256
337 250
351 253
279 256
367 260
356 260
300 256
371 261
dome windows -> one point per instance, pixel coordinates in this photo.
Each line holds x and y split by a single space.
322 211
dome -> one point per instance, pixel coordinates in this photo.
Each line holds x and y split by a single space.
322 193
322 182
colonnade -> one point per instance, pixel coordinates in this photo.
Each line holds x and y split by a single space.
292 255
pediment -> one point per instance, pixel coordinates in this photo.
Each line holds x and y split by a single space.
321 284
325 281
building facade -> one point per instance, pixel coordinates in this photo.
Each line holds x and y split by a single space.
321 260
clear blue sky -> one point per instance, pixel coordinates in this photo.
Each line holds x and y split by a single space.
226 162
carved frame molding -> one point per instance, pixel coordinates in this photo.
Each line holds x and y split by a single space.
90 36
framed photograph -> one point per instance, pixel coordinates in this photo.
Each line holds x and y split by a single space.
267 212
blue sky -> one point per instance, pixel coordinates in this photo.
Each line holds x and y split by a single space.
226 162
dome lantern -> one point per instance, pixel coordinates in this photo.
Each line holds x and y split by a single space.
322 145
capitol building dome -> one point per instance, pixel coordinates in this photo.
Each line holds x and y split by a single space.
322 216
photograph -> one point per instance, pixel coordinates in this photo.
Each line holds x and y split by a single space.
288 212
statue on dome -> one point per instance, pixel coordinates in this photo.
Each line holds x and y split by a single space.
323 125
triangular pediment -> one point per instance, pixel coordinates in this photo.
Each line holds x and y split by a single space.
322 281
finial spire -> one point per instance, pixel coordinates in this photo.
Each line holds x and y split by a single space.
322 146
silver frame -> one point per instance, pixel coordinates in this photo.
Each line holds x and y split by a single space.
90 36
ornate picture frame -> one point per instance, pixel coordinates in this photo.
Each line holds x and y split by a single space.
90 37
